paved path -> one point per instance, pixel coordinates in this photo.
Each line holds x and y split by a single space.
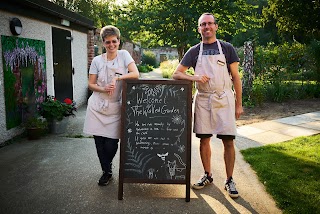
280 130
155 74
58 173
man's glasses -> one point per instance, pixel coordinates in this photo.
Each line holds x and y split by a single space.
203 24
109 42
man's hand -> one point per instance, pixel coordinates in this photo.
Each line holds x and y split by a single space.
201 78
239 111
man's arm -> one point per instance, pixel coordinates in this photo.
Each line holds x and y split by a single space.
234 70
180 74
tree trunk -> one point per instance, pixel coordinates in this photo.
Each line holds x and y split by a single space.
180 52
248 75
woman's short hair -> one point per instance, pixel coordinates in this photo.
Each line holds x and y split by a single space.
109 30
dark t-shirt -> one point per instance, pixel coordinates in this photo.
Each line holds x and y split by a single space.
191 57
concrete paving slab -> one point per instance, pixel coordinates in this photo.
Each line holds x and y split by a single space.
249 130
269 137
312 125
269 125
296 131
245 143
296 120
313 115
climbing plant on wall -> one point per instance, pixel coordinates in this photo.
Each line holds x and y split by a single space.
24 74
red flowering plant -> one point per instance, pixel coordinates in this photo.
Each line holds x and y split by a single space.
53 109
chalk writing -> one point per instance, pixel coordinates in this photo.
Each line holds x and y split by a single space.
156 131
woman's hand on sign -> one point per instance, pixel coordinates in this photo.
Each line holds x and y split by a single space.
201 78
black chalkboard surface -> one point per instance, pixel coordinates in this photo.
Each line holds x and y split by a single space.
156 133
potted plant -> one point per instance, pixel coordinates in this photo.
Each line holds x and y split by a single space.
35 127
55 111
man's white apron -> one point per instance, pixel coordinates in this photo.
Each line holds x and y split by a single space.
215 101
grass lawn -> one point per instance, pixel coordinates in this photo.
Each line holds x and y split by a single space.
291 172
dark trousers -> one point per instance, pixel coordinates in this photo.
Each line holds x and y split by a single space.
106 150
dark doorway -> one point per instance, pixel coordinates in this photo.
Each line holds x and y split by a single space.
62 63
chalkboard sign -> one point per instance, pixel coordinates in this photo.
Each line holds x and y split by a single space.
156 133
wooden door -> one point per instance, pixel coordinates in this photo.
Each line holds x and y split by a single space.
62 63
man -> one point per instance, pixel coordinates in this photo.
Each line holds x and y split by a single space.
218 102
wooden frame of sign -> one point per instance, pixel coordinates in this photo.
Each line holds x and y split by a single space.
156 133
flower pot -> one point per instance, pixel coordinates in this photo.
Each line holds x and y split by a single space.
34 133
58 127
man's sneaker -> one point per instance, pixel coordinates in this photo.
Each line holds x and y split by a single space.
205 180
105 179
230 186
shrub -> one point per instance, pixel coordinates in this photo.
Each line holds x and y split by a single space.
169 66
314 56
149 58
257 95
144 68
285 72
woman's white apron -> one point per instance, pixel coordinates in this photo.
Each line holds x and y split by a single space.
215 101
103 116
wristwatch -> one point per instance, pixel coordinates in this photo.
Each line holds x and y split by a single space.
118 76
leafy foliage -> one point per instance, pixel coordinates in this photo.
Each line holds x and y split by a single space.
101 12
145 68
53 109
283 72
168 67
174 23
35 122
298 19
314 57
284 68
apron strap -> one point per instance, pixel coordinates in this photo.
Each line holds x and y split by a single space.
219 47
200 53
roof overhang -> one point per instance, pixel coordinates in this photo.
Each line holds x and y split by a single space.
48 12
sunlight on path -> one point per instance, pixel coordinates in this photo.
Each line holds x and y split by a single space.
155 74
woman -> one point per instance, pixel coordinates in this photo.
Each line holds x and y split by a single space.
104 105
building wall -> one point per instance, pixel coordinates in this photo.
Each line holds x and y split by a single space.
34 29
134 50
80 65
164 53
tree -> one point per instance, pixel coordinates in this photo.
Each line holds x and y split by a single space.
103 13
174 22
262 32
100 11
298 19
